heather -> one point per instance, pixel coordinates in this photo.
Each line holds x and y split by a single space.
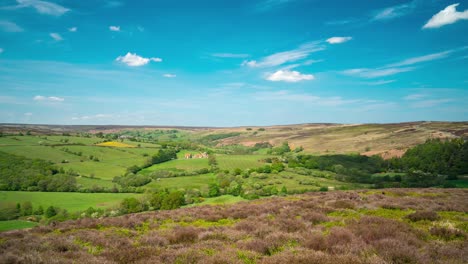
367 226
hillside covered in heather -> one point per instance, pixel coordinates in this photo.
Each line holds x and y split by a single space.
366 226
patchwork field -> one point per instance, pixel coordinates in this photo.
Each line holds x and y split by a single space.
80 154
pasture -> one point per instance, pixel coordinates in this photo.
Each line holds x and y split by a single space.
16 224
71 201
81 154
183 182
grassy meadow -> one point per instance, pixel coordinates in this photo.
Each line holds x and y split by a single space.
71 201
84 155
16 224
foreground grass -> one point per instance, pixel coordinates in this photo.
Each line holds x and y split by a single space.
71 201
16 224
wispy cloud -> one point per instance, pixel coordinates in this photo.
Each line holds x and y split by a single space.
41 98
416 96
133 60
288 96
288 76
92 117
42 7
447 16
114 4
338 40
169 75
266 5
339 22
374 73
381 82
398 67
9 26
230 55
1 50
395 11
56 36
286 56
114 28
73 29
425 58
430 103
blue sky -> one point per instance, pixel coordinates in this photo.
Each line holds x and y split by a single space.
231 63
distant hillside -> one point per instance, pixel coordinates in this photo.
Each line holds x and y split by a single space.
387 140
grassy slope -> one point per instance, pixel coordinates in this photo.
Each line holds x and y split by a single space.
112 161
322 139
70 201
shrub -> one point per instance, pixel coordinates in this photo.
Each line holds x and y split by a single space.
423 215
50 212
183 235
447 233
343 204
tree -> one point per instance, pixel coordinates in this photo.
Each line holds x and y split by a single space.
173 200
284 191
27 208
50 212
156 199
130 205
213 190
212 161
39 211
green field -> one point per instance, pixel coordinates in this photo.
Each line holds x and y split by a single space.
225 162
240 161
16 224
71 201
221 200
183 182
112 161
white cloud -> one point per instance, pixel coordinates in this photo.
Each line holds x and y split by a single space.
8 26
28 114
56 36
168 75
338 40
1 50
446 17
229 55
286 56
429 57
133 60
395 11
43 7
374 73
48 99
288 76
73 29
114 28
